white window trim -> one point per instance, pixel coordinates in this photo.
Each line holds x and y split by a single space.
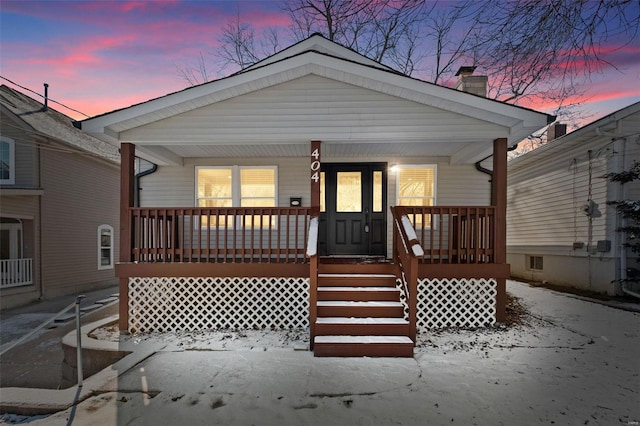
111 263
12 161
236 196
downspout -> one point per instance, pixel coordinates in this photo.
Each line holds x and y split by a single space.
620 221
488 171
136 182
40 233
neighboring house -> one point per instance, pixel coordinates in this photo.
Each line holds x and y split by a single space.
59 192
270 205
559 226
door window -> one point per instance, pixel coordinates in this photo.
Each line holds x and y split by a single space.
349 192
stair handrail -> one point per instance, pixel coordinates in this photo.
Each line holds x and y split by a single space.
312 254
75 304
406 252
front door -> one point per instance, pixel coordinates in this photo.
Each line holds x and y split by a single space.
353 212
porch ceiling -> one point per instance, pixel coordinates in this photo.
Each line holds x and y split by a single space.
329 150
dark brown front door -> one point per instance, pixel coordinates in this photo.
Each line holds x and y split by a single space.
353 220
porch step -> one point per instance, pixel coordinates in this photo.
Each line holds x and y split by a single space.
360 280
358 293
361 268
344 326
359 314
373 346
376 309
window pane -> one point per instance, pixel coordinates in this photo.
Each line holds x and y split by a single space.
215 203
257 183
5 160
349 192
214 183
416 182
418 222
323 207
105 247
105 257
377 191
215 220
415 201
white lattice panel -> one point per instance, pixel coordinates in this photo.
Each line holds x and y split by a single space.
187 304
456 302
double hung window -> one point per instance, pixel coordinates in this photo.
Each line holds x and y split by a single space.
236 186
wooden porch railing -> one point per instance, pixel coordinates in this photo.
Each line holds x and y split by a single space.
406 252
455 234
219 235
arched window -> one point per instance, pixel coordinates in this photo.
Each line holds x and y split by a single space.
7 161
105 247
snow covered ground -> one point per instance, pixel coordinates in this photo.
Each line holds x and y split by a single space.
571 362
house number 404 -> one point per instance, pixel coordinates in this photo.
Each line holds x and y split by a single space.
315 166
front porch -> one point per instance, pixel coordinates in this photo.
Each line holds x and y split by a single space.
204 268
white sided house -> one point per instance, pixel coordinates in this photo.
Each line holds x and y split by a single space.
58 204
315 189
560 228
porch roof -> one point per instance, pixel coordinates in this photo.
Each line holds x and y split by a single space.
272 109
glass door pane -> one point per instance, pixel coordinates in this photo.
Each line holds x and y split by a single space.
349 192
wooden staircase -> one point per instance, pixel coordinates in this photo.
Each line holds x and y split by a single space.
359 312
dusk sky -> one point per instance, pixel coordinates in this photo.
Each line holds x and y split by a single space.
98 56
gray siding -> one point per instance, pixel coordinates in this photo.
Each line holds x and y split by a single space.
544 201
545 208
26 153
80 194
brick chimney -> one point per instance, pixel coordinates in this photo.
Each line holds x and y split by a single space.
476 84
555 131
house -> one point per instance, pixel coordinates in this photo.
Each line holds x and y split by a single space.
317 189
58 204
560 228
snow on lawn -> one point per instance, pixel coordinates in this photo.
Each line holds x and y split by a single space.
15 327
568 362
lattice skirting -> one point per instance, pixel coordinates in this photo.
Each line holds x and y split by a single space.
185 304
456 302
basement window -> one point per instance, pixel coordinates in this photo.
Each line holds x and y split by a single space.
535 263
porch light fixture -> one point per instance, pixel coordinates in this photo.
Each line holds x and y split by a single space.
394 168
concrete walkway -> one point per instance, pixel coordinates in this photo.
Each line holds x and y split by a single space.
37 362
575 362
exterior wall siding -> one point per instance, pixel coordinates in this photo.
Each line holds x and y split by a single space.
172 186
309 108
545 214
80 194
26 153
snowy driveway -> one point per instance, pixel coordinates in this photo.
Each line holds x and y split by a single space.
574 363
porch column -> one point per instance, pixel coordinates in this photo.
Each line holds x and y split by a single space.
127 172
499 201
316 159
315 163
